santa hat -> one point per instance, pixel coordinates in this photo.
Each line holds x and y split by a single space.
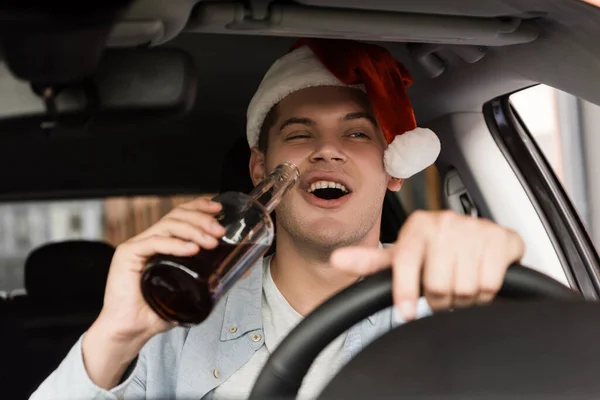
366 67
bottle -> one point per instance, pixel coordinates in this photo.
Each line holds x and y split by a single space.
184 289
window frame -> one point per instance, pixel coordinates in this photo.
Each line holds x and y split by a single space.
567 232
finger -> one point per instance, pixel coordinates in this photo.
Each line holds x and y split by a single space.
470 247
203 204
147 247
440 263
182 230
490 278
409 256
504 248
196 216
202 220
491 273
361 260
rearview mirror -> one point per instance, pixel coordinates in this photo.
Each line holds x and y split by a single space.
128 86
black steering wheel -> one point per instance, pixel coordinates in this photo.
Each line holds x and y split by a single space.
283 373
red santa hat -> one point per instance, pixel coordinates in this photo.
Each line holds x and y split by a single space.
366 67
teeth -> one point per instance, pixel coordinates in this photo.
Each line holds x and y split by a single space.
326 184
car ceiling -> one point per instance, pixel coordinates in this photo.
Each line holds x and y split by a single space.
181 156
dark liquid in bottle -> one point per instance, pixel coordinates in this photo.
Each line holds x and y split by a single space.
184 289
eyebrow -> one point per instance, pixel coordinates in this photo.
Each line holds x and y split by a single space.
361 115
296 120
348 117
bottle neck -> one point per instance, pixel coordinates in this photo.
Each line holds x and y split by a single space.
271 190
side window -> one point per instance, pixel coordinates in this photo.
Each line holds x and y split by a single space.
422 191
124 217
539 110
27 225
564 128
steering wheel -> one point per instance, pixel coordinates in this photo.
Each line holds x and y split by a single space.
283 373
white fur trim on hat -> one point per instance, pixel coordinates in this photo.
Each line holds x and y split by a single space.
298 69
411 152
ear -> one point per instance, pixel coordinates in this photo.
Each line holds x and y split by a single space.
257 165
394 184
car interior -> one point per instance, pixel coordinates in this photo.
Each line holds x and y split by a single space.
147 97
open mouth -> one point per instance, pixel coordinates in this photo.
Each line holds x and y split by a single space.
328 190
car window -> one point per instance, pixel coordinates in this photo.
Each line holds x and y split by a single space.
27 225
562 125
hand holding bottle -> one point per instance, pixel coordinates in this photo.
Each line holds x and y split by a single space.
185 289
126 322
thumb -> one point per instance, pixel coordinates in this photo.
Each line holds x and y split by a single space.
361 260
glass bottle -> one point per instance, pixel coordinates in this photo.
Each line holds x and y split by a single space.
184 289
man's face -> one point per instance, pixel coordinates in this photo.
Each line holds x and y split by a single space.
331 134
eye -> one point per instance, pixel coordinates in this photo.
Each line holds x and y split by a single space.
295 136
359 135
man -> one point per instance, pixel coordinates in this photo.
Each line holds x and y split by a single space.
339 111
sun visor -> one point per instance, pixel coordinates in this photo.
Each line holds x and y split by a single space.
128 86
289 19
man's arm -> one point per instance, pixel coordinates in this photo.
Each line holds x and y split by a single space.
71 380
105 357
95 366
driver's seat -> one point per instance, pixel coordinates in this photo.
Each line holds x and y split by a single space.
235 177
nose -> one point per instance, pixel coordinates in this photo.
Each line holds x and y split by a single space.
328 151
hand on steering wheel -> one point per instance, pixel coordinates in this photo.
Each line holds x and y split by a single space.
456 260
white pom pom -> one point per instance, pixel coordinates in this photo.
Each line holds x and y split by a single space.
411 153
